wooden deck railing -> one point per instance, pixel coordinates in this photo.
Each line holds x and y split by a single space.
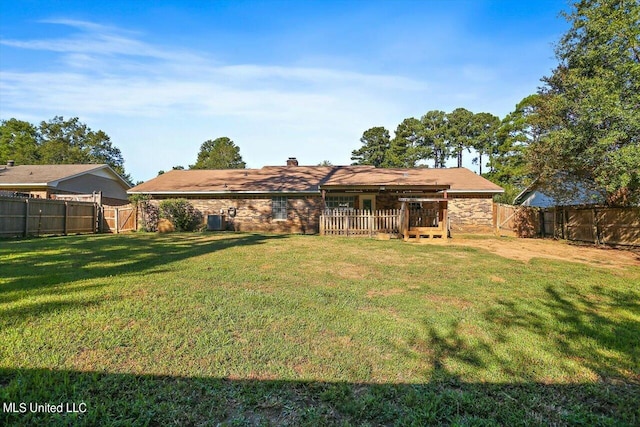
359 222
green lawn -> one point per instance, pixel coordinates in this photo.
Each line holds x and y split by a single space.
202 329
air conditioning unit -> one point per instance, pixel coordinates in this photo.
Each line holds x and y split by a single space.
216 223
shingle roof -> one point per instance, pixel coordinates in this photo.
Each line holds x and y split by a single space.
42 174
458 179
272 179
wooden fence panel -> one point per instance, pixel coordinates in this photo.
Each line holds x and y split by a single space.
108 224
80 218
600 225
28 216
549 222
619 226
580 225
516 221
12 216
46 216
503 218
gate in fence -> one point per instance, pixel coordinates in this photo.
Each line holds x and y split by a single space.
117 219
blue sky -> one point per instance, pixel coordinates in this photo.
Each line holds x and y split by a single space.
280 78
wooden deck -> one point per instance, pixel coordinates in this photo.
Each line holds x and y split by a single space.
405 223
419 233
431 226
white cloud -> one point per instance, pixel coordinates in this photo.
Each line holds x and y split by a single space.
124 83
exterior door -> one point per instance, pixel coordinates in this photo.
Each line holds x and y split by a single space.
368 203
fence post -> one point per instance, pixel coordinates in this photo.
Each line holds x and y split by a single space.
117 219
370 224
66 218
96 218
347 227
596 231
321 224
26 217
541 222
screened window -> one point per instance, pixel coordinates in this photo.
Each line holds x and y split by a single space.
414 205
340 202
279 207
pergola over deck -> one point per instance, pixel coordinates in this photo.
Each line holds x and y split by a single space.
434 226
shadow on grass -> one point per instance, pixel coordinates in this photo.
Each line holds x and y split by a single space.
581 325
123 399
57 260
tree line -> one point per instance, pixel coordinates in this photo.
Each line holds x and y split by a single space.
58 141
581 127
434 138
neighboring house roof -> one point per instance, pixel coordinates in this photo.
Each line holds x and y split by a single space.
535 196
64 179
311 179
49 175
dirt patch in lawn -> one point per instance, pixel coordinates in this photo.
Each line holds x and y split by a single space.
527 249
384 292
446 300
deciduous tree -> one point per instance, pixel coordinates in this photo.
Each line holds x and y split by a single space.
592 102
516 133
19 141
220 153
58 141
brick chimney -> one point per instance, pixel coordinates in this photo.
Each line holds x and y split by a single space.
292 161
10 163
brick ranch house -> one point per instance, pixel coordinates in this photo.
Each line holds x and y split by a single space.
291 198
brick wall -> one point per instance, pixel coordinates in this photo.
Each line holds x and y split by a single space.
253 213
471 214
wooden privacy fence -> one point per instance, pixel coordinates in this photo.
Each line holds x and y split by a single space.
26 216
116 219
359 222
516 221
601 225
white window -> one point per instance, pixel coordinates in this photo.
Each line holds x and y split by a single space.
340 202
279 207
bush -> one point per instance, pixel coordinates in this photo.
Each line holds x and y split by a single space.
149 217
181 213
149 213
